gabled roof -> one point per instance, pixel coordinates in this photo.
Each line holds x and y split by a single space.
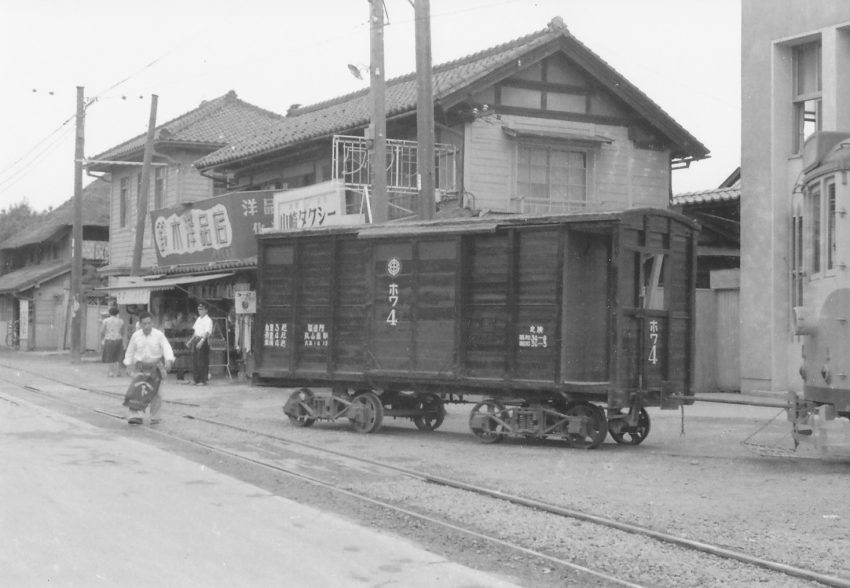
213 124
33 275
95 213
452 82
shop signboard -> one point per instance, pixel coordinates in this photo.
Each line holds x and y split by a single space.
217 229
313 207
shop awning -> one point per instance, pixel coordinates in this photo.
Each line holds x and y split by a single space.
137 290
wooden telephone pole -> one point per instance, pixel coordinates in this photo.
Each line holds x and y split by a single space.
424 110
378 127
75 300
142 204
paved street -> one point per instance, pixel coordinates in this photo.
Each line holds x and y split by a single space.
82 506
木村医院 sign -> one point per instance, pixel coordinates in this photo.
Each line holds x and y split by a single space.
215 229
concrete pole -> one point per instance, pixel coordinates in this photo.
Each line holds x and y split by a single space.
142 204
377 91
76 298
424 110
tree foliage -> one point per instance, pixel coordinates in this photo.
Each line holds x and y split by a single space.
16 218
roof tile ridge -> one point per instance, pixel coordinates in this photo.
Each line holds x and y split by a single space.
542 36
205 104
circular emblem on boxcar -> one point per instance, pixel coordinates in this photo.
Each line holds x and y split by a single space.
394 266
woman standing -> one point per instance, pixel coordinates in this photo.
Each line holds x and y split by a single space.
112 335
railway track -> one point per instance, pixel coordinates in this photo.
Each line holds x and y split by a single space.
266 456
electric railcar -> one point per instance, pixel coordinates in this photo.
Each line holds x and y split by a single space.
562 326
821 294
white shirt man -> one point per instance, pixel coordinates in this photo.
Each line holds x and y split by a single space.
202 328
150 351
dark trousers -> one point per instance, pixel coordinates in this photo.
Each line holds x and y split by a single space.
201 362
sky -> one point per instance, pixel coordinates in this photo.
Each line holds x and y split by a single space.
683 54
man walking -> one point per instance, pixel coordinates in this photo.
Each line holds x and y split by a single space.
202 328
150 353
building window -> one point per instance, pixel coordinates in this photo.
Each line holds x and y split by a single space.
158 187
122 201
550 179
807 92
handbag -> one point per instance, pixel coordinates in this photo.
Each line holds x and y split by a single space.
143 387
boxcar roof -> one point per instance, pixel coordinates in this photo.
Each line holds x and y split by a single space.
488 222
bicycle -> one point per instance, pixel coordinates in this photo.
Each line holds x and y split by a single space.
12 335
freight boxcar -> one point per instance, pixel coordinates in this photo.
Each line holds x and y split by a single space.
560 326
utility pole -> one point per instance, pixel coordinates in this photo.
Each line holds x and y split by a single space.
378 127
75 299
142 204
424 109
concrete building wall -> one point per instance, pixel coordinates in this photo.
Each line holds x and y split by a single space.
770 354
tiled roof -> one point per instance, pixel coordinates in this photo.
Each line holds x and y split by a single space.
214 123
729 190
95 213
449 80
706 196
32 275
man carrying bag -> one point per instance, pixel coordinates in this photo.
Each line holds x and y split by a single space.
150 353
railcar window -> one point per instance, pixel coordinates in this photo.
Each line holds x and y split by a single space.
797 273
815 235
830 223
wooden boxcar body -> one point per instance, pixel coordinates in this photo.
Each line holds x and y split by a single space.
537 313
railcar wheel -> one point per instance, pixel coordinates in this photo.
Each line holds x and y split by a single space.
626 435
296 408
433 405
593 430
368 411
482 421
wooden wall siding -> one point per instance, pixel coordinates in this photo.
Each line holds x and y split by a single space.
620 175
392 320
488 166
586 308
472 310
291 174
434 320
183 183
485 310
537 310
275 297
313 300
352 292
